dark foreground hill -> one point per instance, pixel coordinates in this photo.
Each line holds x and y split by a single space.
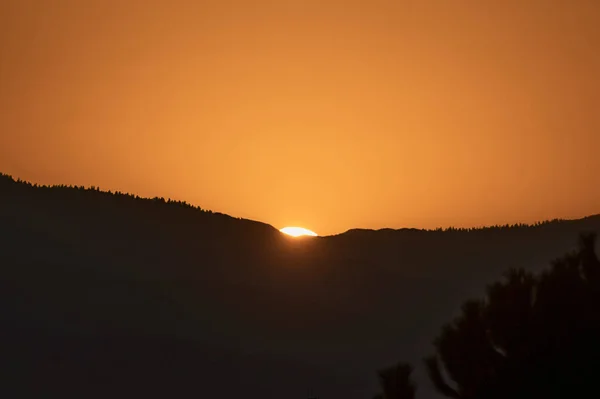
108 295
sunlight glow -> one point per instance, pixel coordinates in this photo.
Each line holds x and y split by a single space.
298 231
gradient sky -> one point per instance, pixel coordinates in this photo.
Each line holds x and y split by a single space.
324 114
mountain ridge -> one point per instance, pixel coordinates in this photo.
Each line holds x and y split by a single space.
84 269
9 179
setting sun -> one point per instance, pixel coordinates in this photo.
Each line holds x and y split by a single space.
298 231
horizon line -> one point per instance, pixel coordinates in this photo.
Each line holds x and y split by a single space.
199 208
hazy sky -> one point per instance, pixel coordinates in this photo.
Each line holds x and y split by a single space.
324 114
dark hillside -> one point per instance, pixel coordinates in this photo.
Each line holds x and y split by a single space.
106 294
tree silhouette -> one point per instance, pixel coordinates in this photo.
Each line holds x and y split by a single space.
532 336
396 382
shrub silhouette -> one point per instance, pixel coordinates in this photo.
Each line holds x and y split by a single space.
396 382
532 336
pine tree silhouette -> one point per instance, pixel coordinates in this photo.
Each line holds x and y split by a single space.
532 336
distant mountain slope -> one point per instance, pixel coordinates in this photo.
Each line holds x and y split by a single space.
219 306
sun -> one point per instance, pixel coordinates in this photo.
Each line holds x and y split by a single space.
298 231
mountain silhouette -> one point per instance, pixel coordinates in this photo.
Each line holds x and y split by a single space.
108 294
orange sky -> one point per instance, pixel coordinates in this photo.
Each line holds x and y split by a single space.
324 114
